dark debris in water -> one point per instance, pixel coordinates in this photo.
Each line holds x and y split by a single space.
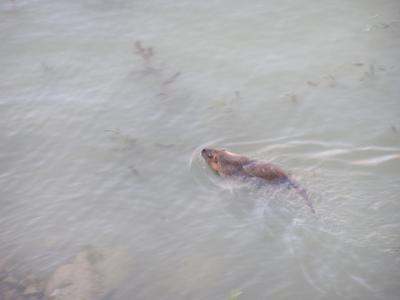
145 52
157 70
237 95
371 72
122 139
147 56
331 80
291 96
134 171
327 80
378 25
368 74
226 105
394 129
46 67
172 78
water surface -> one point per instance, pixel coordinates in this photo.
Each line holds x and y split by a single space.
100 143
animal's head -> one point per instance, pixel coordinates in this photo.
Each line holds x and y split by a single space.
223 162
212 157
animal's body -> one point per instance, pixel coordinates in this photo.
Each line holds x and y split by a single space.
228 164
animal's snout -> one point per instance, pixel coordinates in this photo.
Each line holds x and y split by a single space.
205 152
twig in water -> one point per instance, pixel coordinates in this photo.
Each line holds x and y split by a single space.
332 81
237 95
172 78
369 74
145 53
134 171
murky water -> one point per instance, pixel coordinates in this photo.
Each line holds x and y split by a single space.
101 137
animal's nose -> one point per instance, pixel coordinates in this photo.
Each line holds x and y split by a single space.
204 152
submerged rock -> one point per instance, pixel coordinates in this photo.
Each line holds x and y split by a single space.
18 286
11 281
76 280
88 276
31 291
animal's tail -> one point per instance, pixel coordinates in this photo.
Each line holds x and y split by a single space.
294 184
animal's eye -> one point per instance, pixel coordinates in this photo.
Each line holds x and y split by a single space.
210 155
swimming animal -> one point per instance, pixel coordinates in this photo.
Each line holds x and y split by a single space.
229 164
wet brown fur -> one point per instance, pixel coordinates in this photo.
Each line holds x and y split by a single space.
226 164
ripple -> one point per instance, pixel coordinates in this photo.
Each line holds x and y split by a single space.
375 161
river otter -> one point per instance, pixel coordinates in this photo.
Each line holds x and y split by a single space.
228 164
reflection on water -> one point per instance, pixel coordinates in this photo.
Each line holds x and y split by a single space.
105 106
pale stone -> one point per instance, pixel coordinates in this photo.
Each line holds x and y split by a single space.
31 290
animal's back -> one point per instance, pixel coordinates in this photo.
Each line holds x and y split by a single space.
275 174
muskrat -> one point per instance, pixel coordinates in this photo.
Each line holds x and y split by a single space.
228 164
